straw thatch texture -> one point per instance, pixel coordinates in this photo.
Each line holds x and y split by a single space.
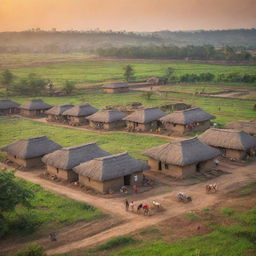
36 105
145 115
31 147
183 152
246 126
114 85
80 110
187 116
107 116
111 167
67 158
58 110
228 138
6 104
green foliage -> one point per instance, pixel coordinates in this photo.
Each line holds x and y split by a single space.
116 242
227 211
6 78
236 77
169 74
31 250
192 216
69 87
149 230
147 95
128 73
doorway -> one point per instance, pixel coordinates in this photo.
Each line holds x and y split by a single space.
127 180
198 167
159 166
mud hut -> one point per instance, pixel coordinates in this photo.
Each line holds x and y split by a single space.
77 115
8 107
29 152
146 119
193 119
246 126
61 162
55 114
234 144
34 108
115 88
182 159
107 119
111 172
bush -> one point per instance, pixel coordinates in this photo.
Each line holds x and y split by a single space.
189 78
206 77
31 250
69 87
227 211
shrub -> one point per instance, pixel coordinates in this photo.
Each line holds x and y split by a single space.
227 211
69 87
31 250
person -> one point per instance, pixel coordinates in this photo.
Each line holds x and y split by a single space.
131 205
53 236
217 162
146 209
135 189
139 207
180 196
126 204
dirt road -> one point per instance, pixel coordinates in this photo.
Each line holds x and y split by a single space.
238 175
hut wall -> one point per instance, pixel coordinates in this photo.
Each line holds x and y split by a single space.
178 128
201 126
32 113
114 125
138 179
51 118
63 174
206 165
28 163
77 120
235 154
96 125
116 90
9 111
153 163
138 127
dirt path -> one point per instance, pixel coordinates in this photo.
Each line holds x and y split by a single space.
239 175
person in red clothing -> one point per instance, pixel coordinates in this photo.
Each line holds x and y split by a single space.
145 209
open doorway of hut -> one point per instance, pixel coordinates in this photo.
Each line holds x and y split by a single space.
127 180
159 166
198 167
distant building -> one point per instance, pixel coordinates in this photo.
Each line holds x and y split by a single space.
77 114
115 88
55 114
29 152
111 172
182 159
246 126
193 119
234 144
34 108
8 107
107 119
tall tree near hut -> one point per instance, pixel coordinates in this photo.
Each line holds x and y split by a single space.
128 73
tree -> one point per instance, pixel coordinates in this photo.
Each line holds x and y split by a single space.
6 79
69 87
128 73
169 74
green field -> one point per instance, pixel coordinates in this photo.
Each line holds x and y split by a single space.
115 142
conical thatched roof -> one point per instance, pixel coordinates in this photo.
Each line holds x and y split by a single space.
246 126
110 167
31 147
58 110
36 105
67 158
81 110
228 138
183 152
106 116
191 115
145 115
6 104
115 85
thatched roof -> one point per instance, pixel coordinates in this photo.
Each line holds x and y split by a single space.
145 115
114 85
183 152
31 147
107 116
81 110
187 116
58 110
110 167
246 126
67 158
35 105
6 104
228 138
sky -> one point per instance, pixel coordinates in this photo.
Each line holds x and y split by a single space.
130 15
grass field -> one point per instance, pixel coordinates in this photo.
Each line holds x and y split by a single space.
116 142
87 72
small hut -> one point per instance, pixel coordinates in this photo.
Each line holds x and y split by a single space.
77 115
61 162
115 88
107 119
34 108
111 172
235 144
193 119
246 126
182 159
29 152
146 119
55 114
8 107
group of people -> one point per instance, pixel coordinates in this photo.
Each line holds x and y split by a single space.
130 206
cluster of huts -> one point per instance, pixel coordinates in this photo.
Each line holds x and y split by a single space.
87 163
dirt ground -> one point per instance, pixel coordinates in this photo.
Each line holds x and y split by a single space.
123 222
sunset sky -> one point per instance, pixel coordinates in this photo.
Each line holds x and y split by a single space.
132 15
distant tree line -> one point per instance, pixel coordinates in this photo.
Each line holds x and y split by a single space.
206 52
